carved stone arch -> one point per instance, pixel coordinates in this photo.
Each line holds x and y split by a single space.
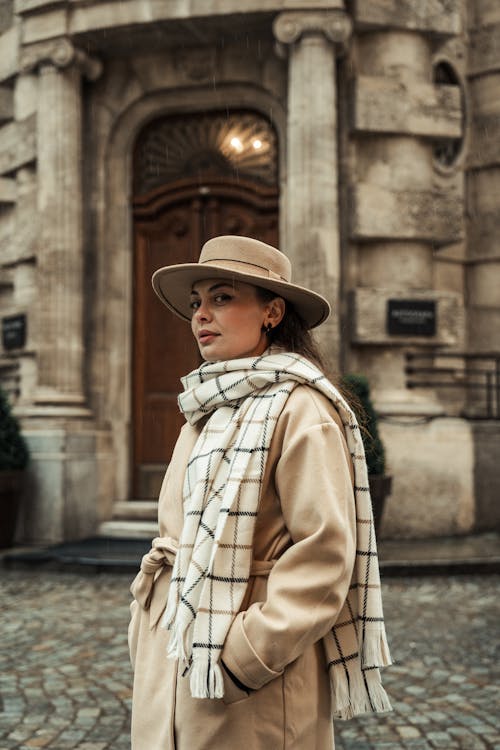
114 289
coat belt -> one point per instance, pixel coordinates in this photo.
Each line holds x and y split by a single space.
162 554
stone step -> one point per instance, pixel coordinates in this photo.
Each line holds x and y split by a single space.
130 529
140 510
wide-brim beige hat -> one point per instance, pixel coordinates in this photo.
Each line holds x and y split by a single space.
242 259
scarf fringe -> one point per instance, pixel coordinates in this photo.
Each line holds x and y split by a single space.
177 647
206 680
375 651
355 692
378 697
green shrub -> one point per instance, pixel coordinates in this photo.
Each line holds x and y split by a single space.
367 418
13 449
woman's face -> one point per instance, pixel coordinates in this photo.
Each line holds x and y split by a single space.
228 319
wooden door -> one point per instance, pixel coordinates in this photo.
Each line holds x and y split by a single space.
170 226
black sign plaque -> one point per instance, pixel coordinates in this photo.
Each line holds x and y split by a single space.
411 317
14 332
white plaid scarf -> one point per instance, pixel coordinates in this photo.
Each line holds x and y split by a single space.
244 398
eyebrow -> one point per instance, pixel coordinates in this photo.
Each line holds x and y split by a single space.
215 287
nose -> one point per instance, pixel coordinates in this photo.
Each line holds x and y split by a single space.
202 312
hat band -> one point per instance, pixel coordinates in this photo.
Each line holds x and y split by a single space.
236 266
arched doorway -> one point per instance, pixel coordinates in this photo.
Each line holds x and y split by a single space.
195 177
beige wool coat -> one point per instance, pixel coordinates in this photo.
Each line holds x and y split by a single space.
303 557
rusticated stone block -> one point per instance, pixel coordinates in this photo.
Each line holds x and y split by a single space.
484 148
8 190
6 104
484 50
368 316
26 6
433 216
46 25
9 53
383 105
6 14
437 16
483 231
17 144
441 467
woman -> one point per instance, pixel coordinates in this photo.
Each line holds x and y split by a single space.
263 588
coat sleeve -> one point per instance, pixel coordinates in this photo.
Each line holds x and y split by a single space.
309 582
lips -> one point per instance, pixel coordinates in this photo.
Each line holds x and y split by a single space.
206 337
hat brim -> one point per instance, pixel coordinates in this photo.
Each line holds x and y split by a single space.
173 286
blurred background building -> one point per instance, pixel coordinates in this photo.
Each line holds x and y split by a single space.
362 137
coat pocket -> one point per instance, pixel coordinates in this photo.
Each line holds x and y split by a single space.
232 693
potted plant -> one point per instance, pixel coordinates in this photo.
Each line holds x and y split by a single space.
13 460
380 483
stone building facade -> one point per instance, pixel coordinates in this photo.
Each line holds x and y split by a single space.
362 135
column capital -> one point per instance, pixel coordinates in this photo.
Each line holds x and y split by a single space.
334 24
62 54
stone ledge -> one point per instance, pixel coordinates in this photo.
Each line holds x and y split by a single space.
382 105
430 216
434 16
368 312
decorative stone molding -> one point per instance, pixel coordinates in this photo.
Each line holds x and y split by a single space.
335 25
62 54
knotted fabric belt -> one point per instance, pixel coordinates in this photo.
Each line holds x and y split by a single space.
162 554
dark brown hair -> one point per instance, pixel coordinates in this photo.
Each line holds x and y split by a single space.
293 335
292 332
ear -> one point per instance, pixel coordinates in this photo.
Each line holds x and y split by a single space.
275 311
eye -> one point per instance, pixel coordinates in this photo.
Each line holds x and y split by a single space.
194 304
220 298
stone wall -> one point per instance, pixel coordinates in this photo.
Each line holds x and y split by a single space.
483 231
387 121
405 214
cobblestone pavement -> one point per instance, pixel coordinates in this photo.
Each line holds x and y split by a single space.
65 677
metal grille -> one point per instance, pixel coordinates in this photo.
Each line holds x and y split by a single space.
238 144
476 375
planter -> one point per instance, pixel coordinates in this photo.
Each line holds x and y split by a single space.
380 488
11 491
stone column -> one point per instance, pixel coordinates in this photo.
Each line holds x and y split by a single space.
60 255
311 236
63 500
